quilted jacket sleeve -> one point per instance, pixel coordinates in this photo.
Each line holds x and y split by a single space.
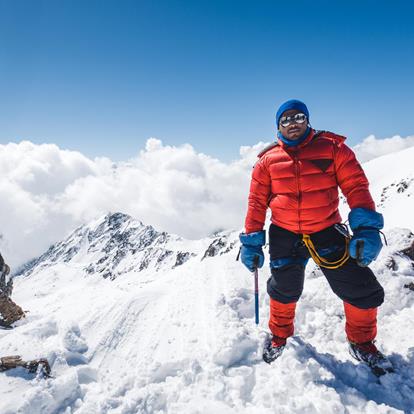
352 179
260 188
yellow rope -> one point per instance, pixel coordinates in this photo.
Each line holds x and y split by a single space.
320 261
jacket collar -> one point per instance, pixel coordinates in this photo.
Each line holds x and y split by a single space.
303 143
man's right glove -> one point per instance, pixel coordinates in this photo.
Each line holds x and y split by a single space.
366 242
251 252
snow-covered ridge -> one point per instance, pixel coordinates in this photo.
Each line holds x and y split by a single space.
391 179
116 244
392 185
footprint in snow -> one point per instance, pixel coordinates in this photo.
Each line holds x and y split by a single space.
75 345
242 302
186 369
236 351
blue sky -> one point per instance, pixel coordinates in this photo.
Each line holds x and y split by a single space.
103 76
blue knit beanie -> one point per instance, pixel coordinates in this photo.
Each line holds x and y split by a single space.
291 104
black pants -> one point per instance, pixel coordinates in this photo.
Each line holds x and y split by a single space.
353 284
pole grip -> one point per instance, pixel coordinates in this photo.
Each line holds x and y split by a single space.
359 252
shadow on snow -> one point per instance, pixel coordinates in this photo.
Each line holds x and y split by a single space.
395 390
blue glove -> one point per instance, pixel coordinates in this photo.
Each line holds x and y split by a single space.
366 242
251 252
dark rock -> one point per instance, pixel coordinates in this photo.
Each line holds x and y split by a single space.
10 312
409 251
229 248
402 186
182 257
164 255
37 365
214 248
143 265
392 264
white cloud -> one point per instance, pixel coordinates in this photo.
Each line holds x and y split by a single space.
46 192
372 147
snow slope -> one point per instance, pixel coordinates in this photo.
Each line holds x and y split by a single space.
170 328
392 186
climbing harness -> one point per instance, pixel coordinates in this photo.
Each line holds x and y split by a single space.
319 260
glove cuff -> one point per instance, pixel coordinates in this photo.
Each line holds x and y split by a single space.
362 217
258 238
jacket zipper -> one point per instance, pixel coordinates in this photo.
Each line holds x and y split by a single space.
297 168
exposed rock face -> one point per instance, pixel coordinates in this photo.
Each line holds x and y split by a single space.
6 282
14 361
10 312
215 247
410 286
182 257
220 245
396 188
409 251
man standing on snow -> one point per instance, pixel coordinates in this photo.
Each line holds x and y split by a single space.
297 178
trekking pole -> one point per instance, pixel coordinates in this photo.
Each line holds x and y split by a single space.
256 289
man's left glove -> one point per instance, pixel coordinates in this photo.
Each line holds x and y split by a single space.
366 243
251 252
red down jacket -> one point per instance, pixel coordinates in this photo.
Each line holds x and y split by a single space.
300 184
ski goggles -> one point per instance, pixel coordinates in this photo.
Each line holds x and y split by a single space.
299 118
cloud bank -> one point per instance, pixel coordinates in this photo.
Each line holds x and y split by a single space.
46 191
372 147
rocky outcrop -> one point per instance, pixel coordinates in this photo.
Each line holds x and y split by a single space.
395 188
34 366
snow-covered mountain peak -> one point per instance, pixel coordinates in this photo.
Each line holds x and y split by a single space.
112 245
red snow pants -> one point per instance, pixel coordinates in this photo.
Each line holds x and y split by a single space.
361 324
357 286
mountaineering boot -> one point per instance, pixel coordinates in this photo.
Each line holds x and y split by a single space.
368 353
273 348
